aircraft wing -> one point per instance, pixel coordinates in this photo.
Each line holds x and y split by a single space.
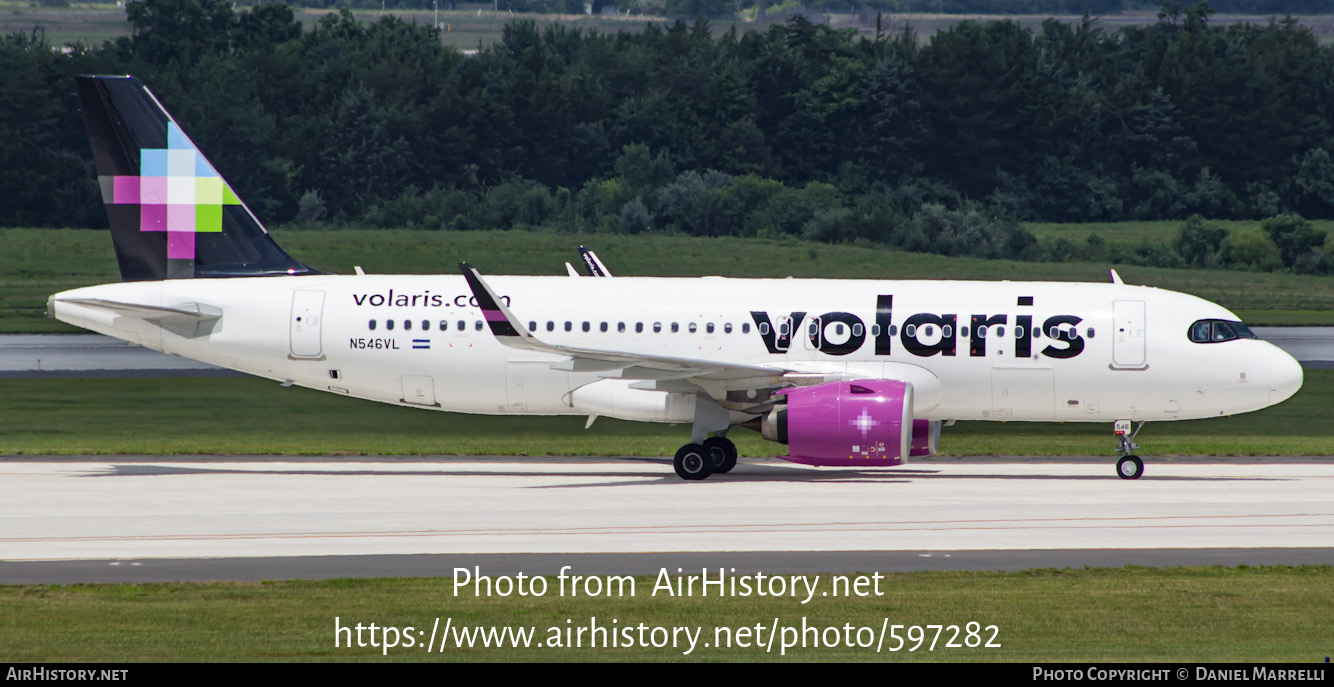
593 264
658 372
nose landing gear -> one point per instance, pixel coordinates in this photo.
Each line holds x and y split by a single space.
1130 466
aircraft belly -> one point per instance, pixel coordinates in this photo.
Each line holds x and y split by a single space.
531 386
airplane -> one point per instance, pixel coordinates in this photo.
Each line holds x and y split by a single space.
860 373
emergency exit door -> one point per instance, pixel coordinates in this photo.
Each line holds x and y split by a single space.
307 313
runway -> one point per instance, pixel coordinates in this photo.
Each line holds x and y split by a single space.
266 518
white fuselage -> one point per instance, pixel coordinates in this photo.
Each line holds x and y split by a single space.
1102 352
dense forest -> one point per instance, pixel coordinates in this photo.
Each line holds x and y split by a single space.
935 145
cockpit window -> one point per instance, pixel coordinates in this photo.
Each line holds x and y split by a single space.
1215 331
1243 331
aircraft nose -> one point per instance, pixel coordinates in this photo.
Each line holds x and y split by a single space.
1285 376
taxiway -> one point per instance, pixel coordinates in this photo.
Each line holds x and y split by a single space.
282 517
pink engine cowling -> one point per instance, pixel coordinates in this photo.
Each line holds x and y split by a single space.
859 423
925 438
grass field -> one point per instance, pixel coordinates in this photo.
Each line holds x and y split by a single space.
35 263
1098 615
258 417
1135 233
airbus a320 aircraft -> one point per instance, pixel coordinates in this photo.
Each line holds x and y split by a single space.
845 372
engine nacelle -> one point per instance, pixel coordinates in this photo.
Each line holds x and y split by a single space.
866 422
925 438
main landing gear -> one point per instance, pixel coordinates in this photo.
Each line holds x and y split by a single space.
1130 466
698 461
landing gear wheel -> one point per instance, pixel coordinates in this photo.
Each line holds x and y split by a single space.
723 452
693 461
1130 467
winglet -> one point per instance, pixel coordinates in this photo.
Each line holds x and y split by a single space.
593 264
1116 278
498 317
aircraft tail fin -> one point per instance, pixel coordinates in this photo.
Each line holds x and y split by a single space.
172 215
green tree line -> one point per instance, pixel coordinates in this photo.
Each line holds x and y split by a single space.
939 145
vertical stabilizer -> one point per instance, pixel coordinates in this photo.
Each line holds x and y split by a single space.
172 215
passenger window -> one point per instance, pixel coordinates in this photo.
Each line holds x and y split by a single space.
693 327
727 328
657 327
875 330
478 325
963 331
910 331
389 324
639 327
675 327
930 330
407 325
532 326
1089 332
764 328
947 331
1037 333
586 326
893 330
426 325
856 330
620 327
603 327
463 326
372 325
444 325
745 327
982 332
551 326
782 329
569 326
708 328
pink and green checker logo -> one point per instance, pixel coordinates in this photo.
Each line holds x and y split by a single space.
177 191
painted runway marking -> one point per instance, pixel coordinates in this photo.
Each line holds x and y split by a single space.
941 525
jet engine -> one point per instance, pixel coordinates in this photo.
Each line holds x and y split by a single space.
925 438
864 422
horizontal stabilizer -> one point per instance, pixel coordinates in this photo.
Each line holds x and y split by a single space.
189 320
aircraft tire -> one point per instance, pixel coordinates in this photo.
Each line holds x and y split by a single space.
724 453
1130 467
693 462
